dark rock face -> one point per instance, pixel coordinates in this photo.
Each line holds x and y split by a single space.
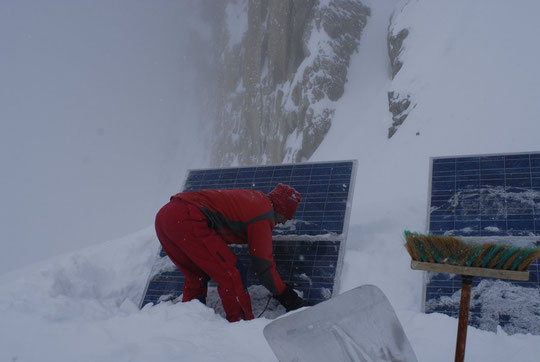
399 107
282 65
399 104
395 44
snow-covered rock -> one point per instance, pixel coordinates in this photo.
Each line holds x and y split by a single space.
283 64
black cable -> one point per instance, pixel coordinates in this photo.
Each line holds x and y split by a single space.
264 310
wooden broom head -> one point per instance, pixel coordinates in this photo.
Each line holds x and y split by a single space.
452 250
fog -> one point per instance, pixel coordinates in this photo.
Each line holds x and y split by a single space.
99 118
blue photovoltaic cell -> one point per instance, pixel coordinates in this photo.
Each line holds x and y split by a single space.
308 250
486 195
491 196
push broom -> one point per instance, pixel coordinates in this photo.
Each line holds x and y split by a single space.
447 254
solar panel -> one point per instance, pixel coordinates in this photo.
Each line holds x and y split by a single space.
487 198
308 250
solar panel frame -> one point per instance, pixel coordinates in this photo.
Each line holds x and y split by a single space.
264 180
515 179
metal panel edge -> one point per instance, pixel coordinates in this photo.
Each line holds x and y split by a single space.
346 220
150 274
484 155
425 278
269 165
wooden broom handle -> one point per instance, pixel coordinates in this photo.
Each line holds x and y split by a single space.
466 281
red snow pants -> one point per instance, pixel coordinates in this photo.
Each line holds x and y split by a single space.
200 253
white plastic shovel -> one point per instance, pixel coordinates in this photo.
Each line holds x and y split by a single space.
359 325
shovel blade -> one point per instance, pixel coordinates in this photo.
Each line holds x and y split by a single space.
358 325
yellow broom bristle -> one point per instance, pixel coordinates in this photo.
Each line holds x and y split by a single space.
428 249
524 265
413 247
463 255
511 260
412 251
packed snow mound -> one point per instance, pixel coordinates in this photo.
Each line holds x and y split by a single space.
94 283
83 306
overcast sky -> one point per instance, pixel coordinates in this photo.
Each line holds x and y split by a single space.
98 119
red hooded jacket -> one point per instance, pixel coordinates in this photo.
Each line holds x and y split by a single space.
242 217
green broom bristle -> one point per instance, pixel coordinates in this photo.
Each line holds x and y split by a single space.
522 255
485 249
507 254
492 264
452 250
489 256
512 260
475 252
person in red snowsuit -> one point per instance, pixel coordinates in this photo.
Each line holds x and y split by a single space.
195 227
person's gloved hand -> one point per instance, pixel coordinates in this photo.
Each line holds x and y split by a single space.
290 300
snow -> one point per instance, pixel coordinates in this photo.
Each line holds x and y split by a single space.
471 69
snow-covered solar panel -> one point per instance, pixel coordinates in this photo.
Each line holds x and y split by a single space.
308 250
487 198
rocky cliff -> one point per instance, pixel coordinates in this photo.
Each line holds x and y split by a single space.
399 103
282 65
